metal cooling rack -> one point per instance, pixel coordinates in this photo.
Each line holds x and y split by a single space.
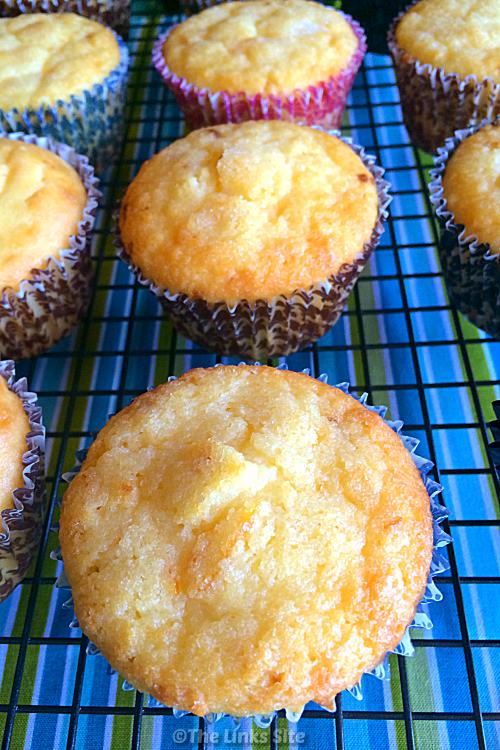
400 341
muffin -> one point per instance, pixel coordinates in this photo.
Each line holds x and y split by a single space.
465 191
48 201
22 438
63 76
211 224
263 59
446 55
245 539
113 13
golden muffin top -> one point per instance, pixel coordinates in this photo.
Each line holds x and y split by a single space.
49 56
41 202
14 427
248 211
245 539
262 46
460 36
471 185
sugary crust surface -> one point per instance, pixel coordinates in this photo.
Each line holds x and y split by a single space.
248 211
245 539
46 57
460 36
471 184
14 427
41 202
264 46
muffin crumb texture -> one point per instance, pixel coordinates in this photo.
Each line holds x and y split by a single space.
245 539
14 427
42 199
264 46
471 185
47 57
248 211
460 36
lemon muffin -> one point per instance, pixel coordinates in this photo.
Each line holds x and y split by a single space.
263 59
212 223
63 76
465 190
447 58
14 426
21 477
114 13
245 539
48 199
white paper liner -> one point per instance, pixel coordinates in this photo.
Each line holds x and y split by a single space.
91 122
47 306
435 103
471 267
22 524
283 324
439 564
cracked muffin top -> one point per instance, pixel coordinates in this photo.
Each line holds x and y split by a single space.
49 56
42 199
248 211
245 539
261 46
460 36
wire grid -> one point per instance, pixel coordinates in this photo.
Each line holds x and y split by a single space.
400 341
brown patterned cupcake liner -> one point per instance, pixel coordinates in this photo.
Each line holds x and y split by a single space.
436 103
276 327
471 269
113 13
22 524
49 304
322 103
92 122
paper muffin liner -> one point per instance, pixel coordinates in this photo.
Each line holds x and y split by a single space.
471 269
49 304
439 564
322 103
91 122
113 13
276 327
22 524
435 103
494 446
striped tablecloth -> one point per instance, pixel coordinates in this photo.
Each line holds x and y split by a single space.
400 341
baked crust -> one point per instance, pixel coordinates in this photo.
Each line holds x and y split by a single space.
261 46
471 185
460 36
14 426
245 539
42 199
248 211
49 56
